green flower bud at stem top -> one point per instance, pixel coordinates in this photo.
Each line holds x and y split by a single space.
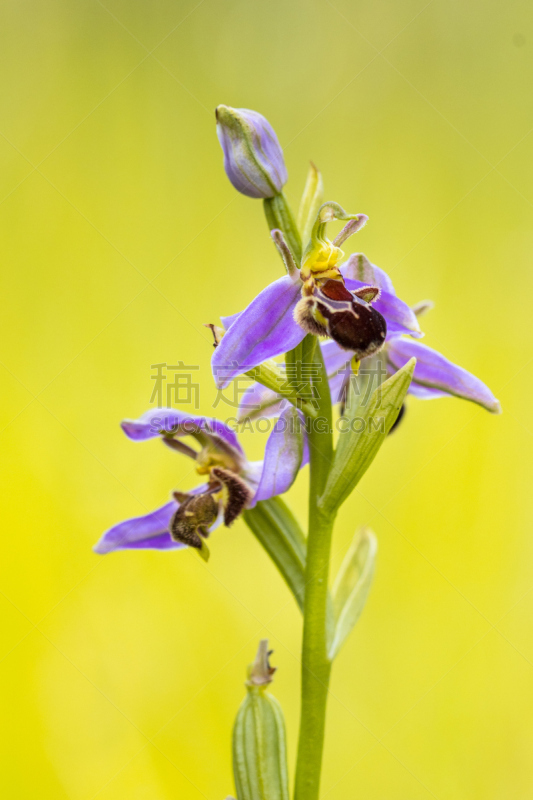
259 742
253 158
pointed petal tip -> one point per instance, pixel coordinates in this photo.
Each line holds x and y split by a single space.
125 424
496 407
134 429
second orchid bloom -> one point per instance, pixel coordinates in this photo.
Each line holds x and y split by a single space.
231 483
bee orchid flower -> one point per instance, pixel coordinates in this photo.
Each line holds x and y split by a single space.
323 298
231 482
434 375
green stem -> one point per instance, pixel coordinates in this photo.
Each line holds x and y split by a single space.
316 665
279 215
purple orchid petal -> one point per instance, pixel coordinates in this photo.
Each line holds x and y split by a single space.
434 371
156 420
399 317
148 531
359 268
258 401
335 357
337 383
305 454
337 363
284 454
264 330
227 321
252 476
425 392
163 541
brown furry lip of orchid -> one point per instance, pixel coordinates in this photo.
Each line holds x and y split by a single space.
327 307
346 317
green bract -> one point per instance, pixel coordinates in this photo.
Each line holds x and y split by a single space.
259 741
352 586
366 429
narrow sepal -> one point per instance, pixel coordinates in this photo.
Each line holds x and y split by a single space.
364 431
310 203
278 214
350 228
435 376
284 453
151 531
259 401
285 253
173 422
359 268
352 585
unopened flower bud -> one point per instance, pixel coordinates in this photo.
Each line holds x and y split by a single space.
259 743
253 158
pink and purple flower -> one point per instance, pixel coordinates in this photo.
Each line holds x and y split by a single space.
231 482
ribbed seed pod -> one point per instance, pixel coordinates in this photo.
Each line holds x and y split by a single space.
259 741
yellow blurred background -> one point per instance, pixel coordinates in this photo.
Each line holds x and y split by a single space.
121 675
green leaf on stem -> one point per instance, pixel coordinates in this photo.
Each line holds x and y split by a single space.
277 530
311 201
352 586
365 428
